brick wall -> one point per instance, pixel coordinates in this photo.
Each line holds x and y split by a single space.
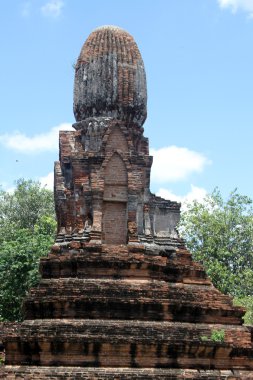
115 172
116 141
114 223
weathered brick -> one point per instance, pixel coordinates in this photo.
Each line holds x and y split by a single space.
120 296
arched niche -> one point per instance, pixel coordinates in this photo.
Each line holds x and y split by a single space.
114 221
115 171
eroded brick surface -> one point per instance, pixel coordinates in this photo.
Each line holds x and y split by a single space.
110 77
120 296
70 373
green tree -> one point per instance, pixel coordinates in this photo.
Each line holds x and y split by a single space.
26 205
220 235
27 229
246 302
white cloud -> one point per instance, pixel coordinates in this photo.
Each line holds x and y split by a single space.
196 193
47 181
236 5
6 187
10 190
35 144
172 163
26 9
52 8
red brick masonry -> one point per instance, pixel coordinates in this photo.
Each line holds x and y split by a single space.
120 296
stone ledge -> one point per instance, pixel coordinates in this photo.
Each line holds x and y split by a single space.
118 261
127 331
76 373
124 299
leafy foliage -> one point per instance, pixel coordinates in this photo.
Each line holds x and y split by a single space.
216 336
220 235
27 228
246 302
26 205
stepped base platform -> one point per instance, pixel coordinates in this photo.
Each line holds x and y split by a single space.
120 312
76 373
124 299
133 344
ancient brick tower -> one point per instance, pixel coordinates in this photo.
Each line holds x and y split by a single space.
120 297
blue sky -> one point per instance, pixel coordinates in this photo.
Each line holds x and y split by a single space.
198 57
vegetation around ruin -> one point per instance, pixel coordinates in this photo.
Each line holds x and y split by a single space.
27 229
219 233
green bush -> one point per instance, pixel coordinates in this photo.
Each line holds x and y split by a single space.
27 229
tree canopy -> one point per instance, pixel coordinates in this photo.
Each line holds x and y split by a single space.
27 229
26 204
219 234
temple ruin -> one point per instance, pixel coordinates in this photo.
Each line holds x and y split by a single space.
120 296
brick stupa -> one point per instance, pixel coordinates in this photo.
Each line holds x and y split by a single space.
119 295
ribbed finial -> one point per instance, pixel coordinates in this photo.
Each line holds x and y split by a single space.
110 77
